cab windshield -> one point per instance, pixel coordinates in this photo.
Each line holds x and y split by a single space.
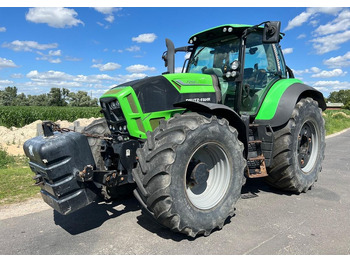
214 57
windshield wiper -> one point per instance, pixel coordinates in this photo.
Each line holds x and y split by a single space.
194 57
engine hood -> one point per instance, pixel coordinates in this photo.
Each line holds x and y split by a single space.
160 93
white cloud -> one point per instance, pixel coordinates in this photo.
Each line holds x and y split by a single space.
287 50
108 12
314 23
4 83
2 29
331 42
331 85
139 68
62 79
298 20
340 23
145 38
110 18
96 61
324 10
50 56
49 75
57 17
308 14
28 46
17 76
301 36
6 63
133 48
107 67
178 69
72 59
127 78
338 61
328 74
307 71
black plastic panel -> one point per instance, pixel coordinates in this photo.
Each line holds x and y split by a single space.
56 160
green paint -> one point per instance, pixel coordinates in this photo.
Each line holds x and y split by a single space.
191 83
269 106
138 123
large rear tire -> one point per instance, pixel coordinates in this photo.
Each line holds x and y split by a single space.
190 173
299 149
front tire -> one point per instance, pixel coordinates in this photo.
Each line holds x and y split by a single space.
190 173
299 149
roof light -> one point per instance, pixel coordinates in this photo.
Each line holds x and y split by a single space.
224 29
230 29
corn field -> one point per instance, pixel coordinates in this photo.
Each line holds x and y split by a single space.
20 116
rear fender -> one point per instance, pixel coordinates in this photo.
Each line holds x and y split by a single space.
220 111
282 110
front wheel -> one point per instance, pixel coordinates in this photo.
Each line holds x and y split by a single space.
299 149
190 173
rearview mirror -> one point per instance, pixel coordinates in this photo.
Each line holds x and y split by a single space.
271 32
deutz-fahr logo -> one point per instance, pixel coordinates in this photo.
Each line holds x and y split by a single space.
199 99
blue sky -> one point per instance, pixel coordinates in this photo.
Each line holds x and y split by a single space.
93 49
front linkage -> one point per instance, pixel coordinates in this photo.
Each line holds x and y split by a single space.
66 170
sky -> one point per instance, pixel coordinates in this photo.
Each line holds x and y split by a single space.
94 49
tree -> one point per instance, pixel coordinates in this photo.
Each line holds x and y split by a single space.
81 98
341 96
21 100
57 96
8 96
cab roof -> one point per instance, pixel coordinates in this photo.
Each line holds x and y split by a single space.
220 31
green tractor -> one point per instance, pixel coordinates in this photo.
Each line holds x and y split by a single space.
186 142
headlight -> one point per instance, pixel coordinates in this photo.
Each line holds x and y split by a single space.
115 104
235 65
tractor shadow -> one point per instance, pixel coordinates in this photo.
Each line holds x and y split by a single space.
149 223
254 186
94 215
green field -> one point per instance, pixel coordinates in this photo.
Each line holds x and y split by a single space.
16 182
20 116
336 120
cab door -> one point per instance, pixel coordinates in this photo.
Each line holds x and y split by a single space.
261 69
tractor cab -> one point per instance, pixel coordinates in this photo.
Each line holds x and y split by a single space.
246 60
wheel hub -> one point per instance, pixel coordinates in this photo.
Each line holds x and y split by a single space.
307 146
207 176
200 173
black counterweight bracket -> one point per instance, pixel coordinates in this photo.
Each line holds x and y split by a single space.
109 178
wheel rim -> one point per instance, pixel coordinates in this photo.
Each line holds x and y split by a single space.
207 176
308 141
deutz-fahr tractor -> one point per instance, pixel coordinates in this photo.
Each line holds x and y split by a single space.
185 143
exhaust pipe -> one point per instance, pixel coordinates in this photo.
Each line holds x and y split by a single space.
169 56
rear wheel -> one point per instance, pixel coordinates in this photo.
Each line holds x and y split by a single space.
299 149
190 173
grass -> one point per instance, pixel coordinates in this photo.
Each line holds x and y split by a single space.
336 120
16 182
